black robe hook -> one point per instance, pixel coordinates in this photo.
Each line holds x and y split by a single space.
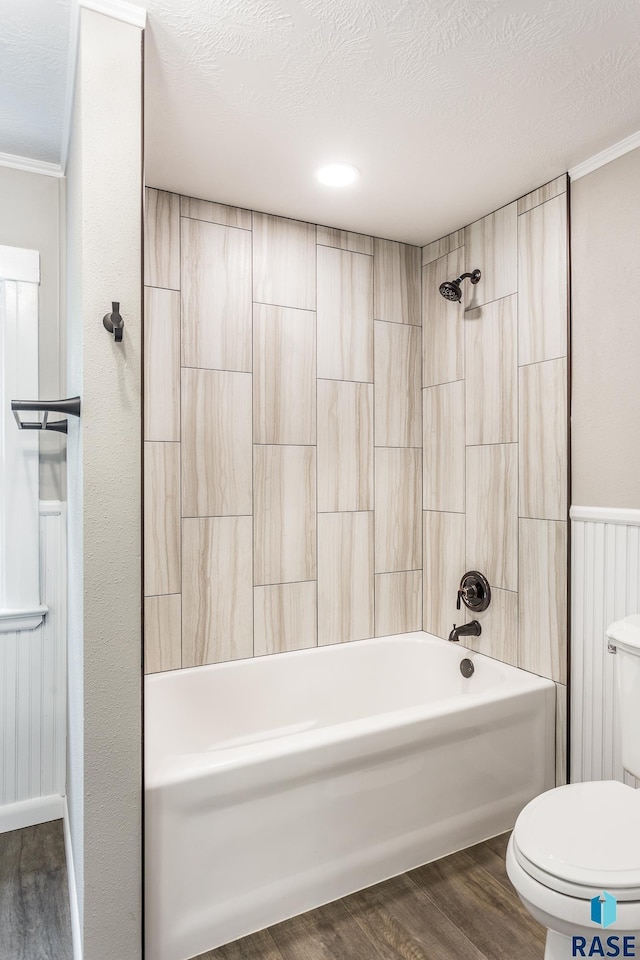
113 322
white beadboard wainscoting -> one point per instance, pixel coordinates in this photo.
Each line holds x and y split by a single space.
33 693
605 586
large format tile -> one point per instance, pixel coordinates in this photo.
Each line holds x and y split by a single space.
491 358
216 296
284 375
345 315
162 239
542 282
161 518
543 448
345 446
396 281
345 240
546 192
284 514
161 364
442 323
490 246
543 598
217 590
443 246
398 602
561 734
499 637
215 212
284 262
162 633
284 617
492 513
444 448
397 380
216 443
345 577
398 496
444 566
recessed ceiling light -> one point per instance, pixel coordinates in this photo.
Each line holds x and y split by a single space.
337 174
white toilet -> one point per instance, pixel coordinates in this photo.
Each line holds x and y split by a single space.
573 843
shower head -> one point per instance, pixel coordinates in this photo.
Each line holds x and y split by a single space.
451 289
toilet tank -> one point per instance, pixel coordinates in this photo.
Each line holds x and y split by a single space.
624 637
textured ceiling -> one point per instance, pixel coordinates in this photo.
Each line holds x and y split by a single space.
34 49
449 108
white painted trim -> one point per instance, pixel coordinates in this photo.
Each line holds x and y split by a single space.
119 10
628 516
52 508
76 930
19 264
605 156
26 813
69 96
31 166
11 621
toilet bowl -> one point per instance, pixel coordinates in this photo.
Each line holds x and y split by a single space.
574 844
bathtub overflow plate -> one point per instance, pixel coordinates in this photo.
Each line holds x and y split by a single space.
466 667
474 591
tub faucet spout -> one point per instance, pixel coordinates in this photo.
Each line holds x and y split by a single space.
472 629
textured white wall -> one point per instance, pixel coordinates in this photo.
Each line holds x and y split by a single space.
30 205
104 256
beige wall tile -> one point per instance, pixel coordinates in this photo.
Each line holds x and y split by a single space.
492 372
398 378
215 212
543 448
216 296
561 734
345 446
161 518
284 378
491 246
284 617
398 486
499 637
398 602
284 514
345 240
542 282
444 567
216 443
396 281
443 471
492 513
162 239
543 598
161 364
217 590
345 315
284 262
549 190
443 246
345 577
442 323
162 633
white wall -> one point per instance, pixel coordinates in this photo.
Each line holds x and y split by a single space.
104 448
30 206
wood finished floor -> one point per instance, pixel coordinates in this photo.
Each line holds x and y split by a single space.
34 897
459 908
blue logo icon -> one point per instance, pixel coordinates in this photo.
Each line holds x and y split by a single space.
604 909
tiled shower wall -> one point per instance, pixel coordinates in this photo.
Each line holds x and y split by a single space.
495 393
283 434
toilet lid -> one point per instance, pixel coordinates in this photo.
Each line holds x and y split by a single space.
584 835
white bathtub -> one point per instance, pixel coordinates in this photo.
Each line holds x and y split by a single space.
277 784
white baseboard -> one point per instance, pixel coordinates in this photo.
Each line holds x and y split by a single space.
76 932
26 813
